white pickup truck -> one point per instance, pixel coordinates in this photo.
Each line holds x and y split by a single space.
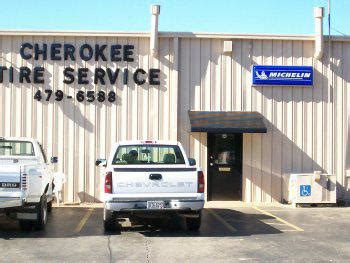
26 182
151 179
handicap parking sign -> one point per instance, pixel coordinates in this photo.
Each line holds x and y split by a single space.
305 190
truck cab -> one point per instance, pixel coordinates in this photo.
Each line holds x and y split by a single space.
26 181
153 178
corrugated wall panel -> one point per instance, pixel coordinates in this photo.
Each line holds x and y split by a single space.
237 88
338 97
277 125
301 136
184 91
256 105
267 104
307 100
143 93
346 74
80 132
174 83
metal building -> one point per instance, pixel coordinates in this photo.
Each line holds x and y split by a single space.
277 129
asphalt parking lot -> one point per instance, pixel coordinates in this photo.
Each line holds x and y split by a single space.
231 234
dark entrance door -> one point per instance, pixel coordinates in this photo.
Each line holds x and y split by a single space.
225 166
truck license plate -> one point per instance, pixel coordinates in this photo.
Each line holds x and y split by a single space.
9 185
155 205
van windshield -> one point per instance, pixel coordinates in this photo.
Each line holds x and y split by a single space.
16 148
148 154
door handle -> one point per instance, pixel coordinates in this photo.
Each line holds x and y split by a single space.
155 176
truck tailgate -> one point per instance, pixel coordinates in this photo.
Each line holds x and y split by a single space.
165 181
10 178
10 181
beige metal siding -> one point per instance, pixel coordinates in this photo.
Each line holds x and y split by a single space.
77 132
306 126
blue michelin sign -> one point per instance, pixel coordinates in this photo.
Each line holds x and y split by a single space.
283 75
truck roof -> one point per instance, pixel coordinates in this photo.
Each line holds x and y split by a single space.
26 139
133 142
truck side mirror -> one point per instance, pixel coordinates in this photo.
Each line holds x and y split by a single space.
54 159
101 162
192 161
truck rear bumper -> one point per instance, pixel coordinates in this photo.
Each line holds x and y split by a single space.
8 202
169 205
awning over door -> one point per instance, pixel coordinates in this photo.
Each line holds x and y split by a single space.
227 122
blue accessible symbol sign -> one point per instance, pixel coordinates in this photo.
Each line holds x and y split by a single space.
305 190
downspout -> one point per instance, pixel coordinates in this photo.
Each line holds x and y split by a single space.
318 15
155 10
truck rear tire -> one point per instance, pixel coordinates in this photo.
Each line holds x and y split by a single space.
49 207
110 221
194 223
41 212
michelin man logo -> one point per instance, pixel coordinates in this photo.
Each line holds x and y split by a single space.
262 75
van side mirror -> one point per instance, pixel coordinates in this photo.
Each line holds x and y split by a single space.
101 162
54 159
192 161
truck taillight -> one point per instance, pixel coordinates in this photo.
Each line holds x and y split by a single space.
24 181
108 183
200 181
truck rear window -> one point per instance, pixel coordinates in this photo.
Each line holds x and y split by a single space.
148 154
16 148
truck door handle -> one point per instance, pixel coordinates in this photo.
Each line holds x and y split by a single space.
155 176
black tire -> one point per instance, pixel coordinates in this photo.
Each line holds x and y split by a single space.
49 207
194 223
26 225
41 212
110 222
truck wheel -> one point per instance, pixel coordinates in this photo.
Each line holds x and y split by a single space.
49 207
110 221
41 212
25 225
194 223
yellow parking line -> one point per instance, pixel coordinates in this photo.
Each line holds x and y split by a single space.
83 220
275 224
222 221
279 210
279 219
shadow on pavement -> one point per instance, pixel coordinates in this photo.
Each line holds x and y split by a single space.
63 222
241 224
